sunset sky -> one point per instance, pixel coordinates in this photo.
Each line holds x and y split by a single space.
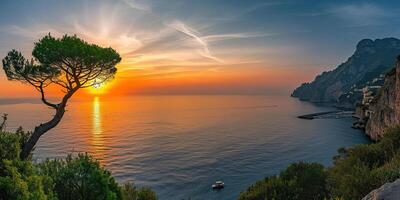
202 46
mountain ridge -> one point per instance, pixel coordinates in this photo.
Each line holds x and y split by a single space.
342 85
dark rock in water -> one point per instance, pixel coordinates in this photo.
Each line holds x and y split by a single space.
343 85
359 125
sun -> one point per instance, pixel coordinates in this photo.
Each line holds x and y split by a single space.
97 88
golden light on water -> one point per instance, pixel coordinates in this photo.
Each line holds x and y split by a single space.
96 125
97 130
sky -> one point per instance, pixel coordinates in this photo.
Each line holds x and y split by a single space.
202 47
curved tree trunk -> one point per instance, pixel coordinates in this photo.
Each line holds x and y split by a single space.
39 131
43 128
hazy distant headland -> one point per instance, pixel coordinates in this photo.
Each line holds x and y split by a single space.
343 85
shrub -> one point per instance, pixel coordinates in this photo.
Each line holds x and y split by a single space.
299 181
351 180
130 192
80 177
17 177
356 171
269 188
366 167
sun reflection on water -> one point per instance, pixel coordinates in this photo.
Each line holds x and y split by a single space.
97 141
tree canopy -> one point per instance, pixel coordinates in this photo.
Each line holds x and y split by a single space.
69 63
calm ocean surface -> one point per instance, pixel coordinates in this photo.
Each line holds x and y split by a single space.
180 145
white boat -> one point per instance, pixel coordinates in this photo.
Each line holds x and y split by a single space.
218 185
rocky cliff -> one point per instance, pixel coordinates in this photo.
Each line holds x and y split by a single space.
388 191
384 110
371 59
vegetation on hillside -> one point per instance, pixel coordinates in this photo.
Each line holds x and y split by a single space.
298 181
74 178
356 171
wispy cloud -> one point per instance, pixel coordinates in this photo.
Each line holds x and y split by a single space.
183 28
262 5
137 6
238 14
361 14
229 36
147 40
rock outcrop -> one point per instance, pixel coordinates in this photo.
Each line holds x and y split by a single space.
384 110
371 59
388 191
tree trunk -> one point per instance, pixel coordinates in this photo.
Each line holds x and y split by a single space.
43 128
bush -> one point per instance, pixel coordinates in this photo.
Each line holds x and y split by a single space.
130 192
299 181
269 188
356 172
366 167
17 177
80 177
11 144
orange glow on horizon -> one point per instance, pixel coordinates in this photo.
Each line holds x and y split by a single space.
167 56
136 82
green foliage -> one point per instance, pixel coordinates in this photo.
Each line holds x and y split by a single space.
300 181
356 172
80 177
366 167
18 68
72 178
3 123
307 179
269 188
68 62
18 179
50 50
351 180
131 192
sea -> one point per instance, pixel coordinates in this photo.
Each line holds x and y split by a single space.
180 145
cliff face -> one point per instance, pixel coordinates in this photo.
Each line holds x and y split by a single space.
388 191
385 108
369 61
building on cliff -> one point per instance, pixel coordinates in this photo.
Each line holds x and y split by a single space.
369 92
381 111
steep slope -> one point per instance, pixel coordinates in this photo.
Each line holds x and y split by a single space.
385 108
371 59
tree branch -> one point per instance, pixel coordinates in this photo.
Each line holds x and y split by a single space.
43 98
